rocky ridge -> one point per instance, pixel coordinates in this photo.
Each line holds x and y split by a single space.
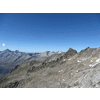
68 70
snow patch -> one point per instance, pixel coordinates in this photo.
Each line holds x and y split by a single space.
78 61
97 60
76 71
93 65
60 71
63 79
91 61
64 60
69 59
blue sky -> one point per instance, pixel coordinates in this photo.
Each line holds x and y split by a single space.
39 32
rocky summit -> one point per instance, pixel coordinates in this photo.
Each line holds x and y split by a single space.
71 69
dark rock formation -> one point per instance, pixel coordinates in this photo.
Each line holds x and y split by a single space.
69 53
13 69
12 85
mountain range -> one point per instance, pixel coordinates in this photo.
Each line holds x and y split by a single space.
9 59
69 69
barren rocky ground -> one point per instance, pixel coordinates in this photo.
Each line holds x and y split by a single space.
65 70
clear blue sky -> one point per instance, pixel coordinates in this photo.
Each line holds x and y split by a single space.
54 32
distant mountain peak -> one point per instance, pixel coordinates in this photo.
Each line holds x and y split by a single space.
7 50
47 52
57 51
17 51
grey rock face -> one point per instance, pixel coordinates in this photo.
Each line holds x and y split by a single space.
69 53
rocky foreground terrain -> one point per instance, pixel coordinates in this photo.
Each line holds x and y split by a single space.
71 69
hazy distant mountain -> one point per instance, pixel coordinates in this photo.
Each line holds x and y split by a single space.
71 70
9 59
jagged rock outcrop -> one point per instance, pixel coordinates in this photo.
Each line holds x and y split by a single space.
69 53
